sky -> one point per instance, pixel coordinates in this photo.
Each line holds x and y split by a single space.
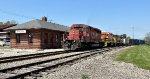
131 17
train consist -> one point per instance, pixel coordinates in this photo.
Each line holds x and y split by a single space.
85 36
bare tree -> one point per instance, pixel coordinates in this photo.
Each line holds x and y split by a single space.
8 22
147 38
1 22
13 22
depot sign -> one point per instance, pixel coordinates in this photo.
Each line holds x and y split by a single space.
20 31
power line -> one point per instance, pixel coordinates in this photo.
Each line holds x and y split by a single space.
4 18
15 14
18 15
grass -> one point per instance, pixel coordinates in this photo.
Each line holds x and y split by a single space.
5 47
138 55
85 77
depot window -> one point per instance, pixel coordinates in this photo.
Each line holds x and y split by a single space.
56 37
18 38
45 38
30 37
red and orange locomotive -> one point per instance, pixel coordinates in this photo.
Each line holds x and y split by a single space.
82 36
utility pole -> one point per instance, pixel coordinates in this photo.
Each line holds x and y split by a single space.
133 35
133 31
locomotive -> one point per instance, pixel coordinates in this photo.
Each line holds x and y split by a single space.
108 39
82 36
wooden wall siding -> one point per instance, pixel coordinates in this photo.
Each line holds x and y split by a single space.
52 43
24 40
12 39
38 39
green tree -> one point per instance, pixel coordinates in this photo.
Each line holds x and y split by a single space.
147 38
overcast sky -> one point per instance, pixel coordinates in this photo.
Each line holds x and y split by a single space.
116 16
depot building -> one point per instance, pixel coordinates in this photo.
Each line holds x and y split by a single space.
37 34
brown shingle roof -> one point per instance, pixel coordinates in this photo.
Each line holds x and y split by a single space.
4 26
39 24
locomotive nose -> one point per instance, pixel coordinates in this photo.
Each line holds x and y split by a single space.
74 35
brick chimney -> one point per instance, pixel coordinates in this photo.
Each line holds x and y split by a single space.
44 19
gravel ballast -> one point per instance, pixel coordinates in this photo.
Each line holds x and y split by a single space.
100 66
16 52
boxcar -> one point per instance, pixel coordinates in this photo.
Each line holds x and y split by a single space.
136 42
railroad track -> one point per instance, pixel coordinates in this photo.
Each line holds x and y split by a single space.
21 71
30 56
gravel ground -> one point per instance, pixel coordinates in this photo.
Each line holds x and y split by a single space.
100 66
6 52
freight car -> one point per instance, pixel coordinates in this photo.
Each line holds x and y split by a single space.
108 39
136 42
82 36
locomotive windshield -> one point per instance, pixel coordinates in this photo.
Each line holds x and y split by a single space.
78 28
104 34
